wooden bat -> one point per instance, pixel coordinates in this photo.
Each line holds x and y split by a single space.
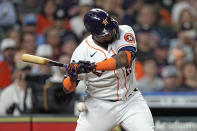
41 60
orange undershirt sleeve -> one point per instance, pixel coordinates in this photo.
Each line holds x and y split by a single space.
109 64
69 85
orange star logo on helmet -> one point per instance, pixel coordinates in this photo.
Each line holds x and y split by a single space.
105 22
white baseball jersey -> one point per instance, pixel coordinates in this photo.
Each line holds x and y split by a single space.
108 85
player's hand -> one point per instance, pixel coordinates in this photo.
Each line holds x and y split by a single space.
85 67
71 70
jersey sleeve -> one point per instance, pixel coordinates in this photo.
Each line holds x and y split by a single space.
79 54
127 41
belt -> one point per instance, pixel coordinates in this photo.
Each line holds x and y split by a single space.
135 90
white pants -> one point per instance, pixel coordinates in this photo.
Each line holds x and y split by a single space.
133 115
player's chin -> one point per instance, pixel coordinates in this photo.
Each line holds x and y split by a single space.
109 41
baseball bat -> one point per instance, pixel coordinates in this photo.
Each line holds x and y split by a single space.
41 60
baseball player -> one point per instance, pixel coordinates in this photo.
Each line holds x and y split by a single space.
106 61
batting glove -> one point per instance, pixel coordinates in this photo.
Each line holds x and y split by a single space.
85 67
71 70
74 68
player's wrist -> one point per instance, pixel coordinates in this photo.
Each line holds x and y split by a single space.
69 85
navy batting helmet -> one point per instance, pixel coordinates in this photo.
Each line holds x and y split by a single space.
98 22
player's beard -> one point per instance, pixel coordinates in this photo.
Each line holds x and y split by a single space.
113 38
105 42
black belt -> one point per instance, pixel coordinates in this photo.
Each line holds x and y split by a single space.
128 96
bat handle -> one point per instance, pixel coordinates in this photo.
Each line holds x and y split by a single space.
55 63
65 65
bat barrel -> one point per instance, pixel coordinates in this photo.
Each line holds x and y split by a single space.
34 59
40 60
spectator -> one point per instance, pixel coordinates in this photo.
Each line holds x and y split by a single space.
68 46
62 24
28 43
184 42
185 17
45 18
7 65
193 5
59 3
16 98
195 52
150 81
28 7
7 14
177 58
60 20
52 36
144 39
170 78
15 34
85 6
147 17
131 9
181 5
189 77
164 16
161 54
45 51
71 8
29 25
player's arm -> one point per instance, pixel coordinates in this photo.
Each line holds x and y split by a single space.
122 59
125 54
69 85
70 81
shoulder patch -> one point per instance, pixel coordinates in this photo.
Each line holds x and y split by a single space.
129 38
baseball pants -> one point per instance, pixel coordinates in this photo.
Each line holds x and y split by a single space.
132 114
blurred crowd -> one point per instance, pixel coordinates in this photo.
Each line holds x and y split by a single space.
165 31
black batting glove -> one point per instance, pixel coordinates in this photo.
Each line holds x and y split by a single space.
85 67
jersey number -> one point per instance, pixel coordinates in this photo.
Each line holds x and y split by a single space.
99 74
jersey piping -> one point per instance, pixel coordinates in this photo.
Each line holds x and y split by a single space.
96 48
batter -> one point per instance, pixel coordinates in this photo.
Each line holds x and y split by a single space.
112 96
